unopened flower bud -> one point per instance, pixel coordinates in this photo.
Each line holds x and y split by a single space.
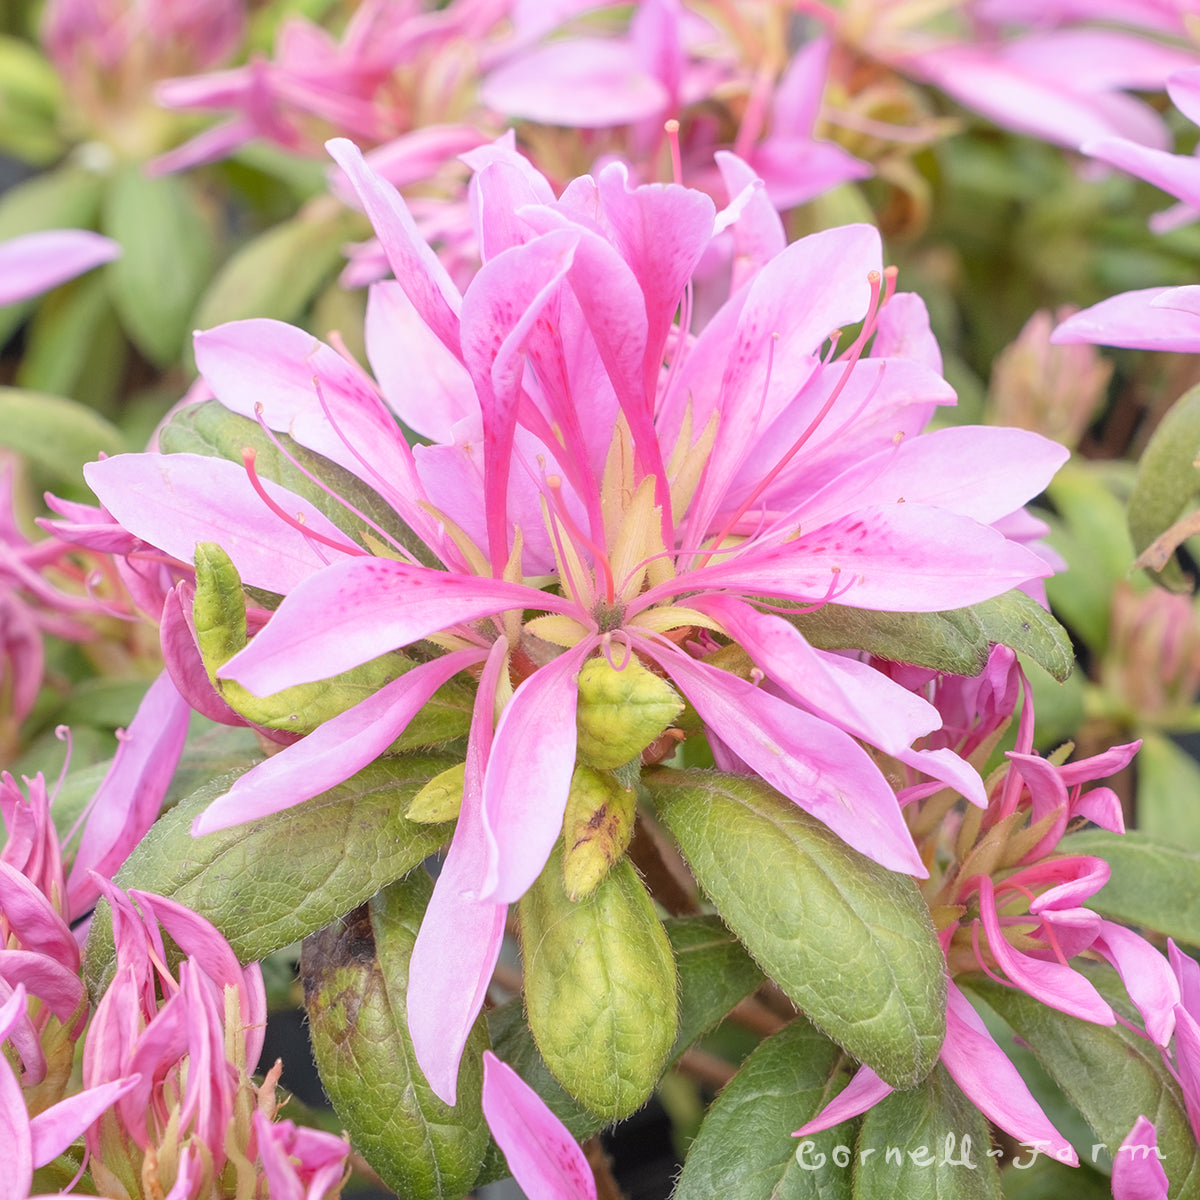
1054 390
596 829
621 711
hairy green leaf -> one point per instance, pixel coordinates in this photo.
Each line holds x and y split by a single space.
850 942
58 434
938 1142
269 882
1167 480
355 975
1019 621
745 1147
1153 883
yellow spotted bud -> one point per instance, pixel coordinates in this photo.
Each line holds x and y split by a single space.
596 829
441 798
621 711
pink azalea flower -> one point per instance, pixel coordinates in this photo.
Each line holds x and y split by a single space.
299 1163
36 262
661 501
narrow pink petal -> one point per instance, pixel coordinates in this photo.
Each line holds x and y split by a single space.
864 1091
896 558
1134 321
1184 89
54 1129
283 1181
990 1081
333 752
181 657
1177 174
758 233
401 348
34 920
544 1158
459 940
35 262
1137 1172
1147 977
1053 983
360 608
128 801
58 986
174 501
978 471
946 766
816 765
849 694
15 1134
415 265
529 775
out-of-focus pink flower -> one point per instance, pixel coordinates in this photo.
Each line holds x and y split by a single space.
299 1163
36 262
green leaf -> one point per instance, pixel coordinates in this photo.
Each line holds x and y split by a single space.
1167 788
1153 883
939 1141
1019 621
211 429
269 882
512 1041
945 641
75 345
745 1147
355 976
1167 480
280 271
600 987
66 198
166 258
1110 1073
848 941
715 973
59 435
1045 1179
30 94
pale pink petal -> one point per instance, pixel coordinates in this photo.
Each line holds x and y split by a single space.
415 265
529 775
992 1083
586 83
54 1129
1146 974
35 262
1134 321
898 558
360 608
403 349
334 751
1137 1173
129 799
847 693
459 940
544 1158
1178 174
758 233
174 501
902 331
819 767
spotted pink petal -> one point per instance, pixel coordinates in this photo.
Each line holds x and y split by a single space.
544 1158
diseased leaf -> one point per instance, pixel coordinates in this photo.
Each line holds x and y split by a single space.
1167 480
715 973
939 1141
355 976
270 882
945 641
600 987
745 1147
1019 621
1109 1072
166 258
1153 883
849 942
